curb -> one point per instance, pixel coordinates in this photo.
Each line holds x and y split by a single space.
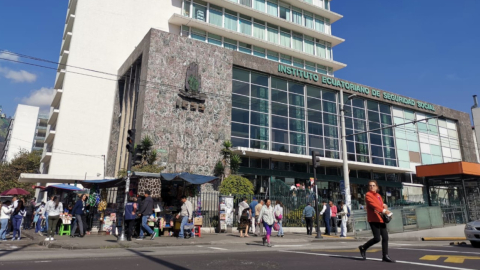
56 245
444 238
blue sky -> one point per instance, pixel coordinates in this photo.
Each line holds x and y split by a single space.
426 49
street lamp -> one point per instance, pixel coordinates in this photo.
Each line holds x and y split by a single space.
346 176
315 164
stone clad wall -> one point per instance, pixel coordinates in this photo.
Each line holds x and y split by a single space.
186 140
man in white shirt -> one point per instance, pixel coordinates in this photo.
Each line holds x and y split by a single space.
343 214
186 214
327 214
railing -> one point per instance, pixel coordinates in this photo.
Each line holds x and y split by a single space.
414 218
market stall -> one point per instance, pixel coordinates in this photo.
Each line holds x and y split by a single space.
166 191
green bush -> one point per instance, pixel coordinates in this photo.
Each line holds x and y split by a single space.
235 184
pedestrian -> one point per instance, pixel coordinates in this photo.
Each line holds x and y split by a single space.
145 211
39 218
130 214
252 206
78 212
333 218
327 213
308 214
5 215
243 217
19 214
279 216
267 217
375 208
186 214
344 218
258 209
303 186
53 210
46 213
30 208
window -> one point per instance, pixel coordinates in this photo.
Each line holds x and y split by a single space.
271 55
272 34
198 34
259 30
257 51
272 8
245 25
186 8
309 45
285 13
245 48
215 17
199 11
286 59
230 44
285 37
308 20
259 5
319 24
231 20
297 42
297 16
321 50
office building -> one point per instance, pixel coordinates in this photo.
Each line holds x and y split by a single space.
26 132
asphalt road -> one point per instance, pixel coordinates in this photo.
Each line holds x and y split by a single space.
410 255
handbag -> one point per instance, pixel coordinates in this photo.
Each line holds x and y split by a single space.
386 218
276 226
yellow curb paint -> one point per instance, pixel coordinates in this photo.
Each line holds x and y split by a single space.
449 258
443 238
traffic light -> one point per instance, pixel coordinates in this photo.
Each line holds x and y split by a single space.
315 159
138 157
131 141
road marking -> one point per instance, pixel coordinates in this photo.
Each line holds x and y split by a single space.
449 258
346 250
437 250
374 259
218 248
42 261
395 244
289 245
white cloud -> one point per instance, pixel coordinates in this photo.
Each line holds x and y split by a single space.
41 98
8 55
18 76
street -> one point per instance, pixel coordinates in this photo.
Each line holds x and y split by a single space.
338 255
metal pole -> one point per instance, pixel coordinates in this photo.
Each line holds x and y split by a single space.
127 187
317 213
346 175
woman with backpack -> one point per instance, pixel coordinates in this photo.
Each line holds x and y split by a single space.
18 214
243 217
279 216
267 217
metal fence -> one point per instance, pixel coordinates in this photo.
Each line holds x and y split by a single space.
414 218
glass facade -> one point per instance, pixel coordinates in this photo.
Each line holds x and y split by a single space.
255 28
427 142
277 114
232 44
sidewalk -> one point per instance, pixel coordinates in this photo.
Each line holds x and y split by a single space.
110 241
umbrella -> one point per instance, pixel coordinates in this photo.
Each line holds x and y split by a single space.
15 191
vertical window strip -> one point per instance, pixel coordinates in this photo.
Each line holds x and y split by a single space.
259 5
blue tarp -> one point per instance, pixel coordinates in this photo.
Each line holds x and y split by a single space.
65 187
195 179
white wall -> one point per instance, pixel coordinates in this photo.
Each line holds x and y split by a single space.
104 34
23 132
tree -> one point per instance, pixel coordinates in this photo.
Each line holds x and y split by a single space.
23 162
230 162
235 184
149 156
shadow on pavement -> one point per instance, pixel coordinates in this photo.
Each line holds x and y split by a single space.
159 261
3 254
